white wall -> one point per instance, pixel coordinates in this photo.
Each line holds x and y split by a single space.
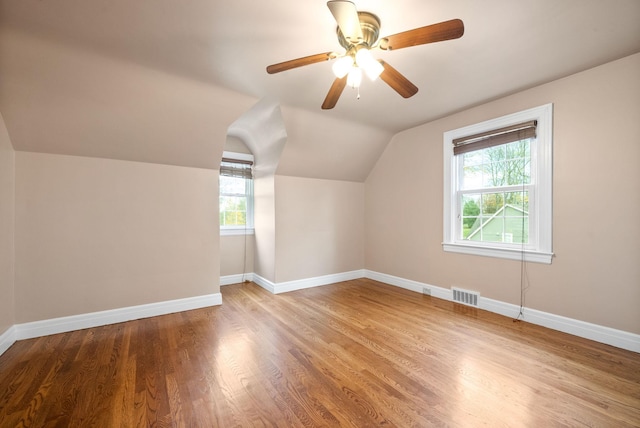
97 234
7 209
595 275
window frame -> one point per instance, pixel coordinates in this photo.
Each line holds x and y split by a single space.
248 229
540 191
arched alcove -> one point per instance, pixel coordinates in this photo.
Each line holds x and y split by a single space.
262 132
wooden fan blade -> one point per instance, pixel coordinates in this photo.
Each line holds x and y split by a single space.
442 31
334 93
346 16
299 62
397 81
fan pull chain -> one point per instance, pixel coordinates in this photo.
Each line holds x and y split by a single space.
358 96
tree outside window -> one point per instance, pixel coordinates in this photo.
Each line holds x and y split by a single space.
492 213
498 179
236 193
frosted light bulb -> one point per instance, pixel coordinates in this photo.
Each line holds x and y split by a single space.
342 66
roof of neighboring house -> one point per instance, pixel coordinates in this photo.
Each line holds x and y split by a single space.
496 214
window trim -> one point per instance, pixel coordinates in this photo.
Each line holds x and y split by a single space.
235 231
249 229
542 161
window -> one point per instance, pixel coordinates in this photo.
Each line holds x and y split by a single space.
236 194
497 187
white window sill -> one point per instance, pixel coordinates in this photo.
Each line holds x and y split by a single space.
231 231
503 253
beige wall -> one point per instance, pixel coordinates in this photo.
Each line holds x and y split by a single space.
305 228
265 227
7 209
595 275
61 99
322 146
236 254
319 227
97 234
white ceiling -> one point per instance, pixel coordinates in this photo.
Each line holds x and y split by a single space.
508 46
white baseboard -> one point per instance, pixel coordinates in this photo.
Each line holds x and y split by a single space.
7 339
598 333
95 319
407 284
284 287
610 336
264 283
236 279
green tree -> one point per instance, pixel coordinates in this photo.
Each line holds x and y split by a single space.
508 165
469 213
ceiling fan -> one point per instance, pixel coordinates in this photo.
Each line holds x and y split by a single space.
358 34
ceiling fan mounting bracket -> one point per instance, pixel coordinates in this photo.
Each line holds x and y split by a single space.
370 26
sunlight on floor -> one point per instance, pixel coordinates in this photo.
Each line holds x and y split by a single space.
481 392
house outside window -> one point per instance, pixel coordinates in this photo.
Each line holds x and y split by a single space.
236 194
497 187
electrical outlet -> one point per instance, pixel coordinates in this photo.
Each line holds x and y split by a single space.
426 291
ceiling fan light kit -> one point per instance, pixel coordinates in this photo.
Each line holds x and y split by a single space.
358 33
365 60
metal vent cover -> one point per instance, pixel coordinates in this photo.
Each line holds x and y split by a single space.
466 297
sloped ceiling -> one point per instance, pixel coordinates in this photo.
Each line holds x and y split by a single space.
161 80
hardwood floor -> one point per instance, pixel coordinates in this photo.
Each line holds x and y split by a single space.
353 354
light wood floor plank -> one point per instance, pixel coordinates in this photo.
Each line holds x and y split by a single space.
353 354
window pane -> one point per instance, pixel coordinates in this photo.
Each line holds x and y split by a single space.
518 229
233 210
504 165
518 149
230 218
495 217
518 200
228 203
472 158
232 185
493 174
518 166
493 229
491 203
470 213
234 218
472 177
493 154
470 225
517 171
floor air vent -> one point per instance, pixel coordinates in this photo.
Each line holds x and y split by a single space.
465 297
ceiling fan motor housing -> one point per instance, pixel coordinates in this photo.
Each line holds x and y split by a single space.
370 26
